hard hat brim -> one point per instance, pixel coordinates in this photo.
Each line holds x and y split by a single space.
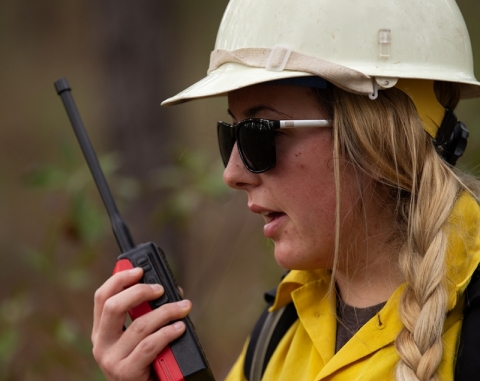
229 77
233 76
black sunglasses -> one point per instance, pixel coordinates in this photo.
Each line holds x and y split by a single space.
256 140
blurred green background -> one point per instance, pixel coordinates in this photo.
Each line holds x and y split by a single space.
122 58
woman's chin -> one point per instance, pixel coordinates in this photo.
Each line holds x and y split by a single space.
291 258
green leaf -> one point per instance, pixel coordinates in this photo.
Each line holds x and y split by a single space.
66 332
45 177
87 219
76 279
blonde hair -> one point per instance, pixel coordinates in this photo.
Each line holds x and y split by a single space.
386 140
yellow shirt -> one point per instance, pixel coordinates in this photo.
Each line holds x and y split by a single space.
306 352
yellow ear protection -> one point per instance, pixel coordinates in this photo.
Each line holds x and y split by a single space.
449 135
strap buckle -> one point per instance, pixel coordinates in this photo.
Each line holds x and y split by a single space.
451 140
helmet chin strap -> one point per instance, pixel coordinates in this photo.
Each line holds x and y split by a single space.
449 135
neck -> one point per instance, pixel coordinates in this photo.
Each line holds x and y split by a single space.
368 286
367 273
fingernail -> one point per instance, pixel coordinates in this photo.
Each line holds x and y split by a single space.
135 270
156 287
183 303
178 325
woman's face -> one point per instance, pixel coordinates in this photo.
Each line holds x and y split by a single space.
297 198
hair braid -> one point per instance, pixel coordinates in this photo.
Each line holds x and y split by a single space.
423 304
385 139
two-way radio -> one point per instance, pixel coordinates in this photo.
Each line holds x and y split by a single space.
183 359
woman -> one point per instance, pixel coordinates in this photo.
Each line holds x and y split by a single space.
362 201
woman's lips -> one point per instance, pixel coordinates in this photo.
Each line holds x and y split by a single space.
273 221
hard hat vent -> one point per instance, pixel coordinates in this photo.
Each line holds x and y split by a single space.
385 42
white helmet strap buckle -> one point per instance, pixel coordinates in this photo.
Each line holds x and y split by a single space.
382 83
278 58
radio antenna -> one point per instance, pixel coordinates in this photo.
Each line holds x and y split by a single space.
120 229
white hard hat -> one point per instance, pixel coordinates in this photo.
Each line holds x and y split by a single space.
359 45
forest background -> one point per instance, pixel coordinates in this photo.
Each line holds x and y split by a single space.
122 58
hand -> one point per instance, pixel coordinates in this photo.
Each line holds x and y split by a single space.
124 356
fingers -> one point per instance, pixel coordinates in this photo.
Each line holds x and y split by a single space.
158 319
148 335
114 285
115 309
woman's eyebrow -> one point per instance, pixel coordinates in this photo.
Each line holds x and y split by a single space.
252 112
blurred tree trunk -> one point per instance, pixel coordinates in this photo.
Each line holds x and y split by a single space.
137 52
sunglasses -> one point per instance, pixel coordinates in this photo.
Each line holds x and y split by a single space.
255 140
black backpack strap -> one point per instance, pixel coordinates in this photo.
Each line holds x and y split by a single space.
268 331
467 367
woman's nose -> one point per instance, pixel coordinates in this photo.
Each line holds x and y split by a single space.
236 175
